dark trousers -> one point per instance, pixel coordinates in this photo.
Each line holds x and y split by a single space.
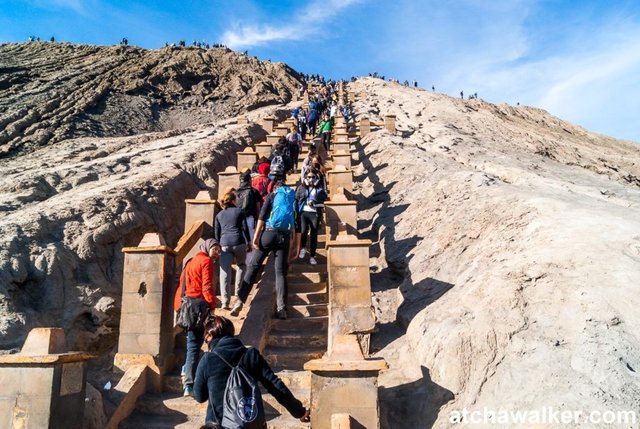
294 150
326 139
309 224
195 338
278 243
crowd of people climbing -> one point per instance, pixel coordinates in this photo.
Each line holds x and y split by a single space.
266 214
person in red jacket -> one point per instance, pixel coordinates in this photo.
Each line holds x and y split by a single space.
261 182
199 278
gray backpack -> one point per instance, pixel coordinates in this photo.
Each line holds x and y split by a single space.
243 407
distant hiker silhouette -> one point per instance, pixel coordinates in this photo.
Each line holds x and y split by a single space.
462 95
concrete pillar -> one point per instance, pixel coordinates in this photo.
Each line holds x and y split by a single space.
342 147
202 207
390 123
43 386
350 310
365 127
242 120
263 149
246 159
341 157
268 124
340 211
282 130
344 382
273 138
340 177
146 320
341 137
229 178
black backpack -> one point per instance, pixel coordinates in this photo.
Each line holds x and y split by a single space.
277 166
247 201
243 407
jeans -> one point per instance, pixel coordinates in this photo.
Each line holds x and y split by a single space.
326 139
278 243
226 259
195 338
309 222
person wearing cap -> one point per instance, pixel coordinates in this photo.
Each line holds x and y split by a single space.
199 282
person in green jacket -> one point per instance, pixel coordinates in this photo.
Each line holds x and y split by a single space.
325 131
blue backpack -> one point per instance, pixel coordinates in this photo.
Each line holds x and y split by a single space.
283 213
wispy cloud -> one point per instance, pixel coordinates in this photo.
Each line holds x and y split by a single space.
309 20
81 7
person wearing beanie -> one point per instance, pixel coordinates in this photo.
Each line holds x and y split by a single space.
199 281
261 182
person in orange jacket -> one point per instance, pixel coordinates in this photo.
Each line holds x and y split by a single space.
199 278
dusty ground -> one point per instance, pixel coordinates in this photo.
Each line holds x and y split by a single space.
508 246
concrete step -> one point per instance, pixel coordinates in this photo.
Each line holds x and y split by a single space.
303 298
313 310
170 404
306 267
297 339
306 276
295 380
292 358
139 420
306 286
273 409
319 323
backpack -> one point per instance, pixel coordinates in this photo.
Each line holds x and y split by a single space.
247 201
283 213
242 404
277 166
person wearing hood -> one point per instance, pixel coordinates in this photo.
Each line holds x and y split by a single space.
199 282
214 369
261 182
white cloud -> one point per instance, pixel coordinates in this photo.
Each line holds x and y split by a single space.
307 21
79 6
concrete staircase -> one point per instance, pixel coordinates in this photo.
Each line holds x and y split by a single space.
302 337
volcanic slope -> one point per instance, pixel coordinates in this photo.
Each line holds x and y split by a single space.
50 92
506 258
100 145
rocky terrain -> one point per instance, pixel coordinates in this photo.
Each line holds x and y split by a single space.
50 92
508 249
100 145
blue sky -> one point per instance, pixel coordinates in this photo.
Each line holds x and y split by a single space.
580 60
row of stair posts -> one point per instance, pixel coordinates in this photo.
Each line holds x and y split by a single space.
344 383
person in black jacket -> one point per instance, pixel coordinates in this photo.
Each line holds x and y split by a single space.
212 372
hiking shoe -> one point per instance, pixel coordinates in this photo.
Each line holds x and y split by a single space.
303 253
188 390
236 308
282 314
313 261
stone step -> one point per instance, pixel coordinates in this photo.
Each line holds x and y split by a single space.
303 298
295 380
313 310
306 287
292 358
172 384
318 323
297 339
306 276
